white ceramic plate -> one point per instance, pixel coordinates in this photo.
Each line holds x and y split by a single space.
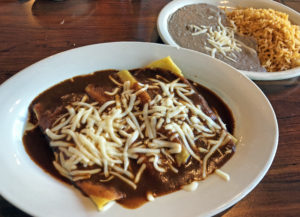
27 186
170 8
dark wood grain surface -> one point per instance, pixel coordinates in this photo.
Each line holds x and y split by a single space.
32 30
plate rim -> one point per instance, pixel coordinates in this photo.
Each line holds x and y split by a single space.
244 191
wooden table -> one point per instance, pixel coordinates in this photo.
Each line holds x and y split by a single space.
32 30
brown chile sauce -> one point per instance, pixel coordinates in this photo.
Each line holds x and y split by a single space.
37 146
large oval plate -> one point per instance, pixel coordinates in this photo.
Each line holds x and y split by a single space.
27 186
170 8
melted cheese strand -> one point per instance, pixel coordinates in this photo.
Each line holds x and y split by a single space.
147 123
150 197
53 136
139 173
130 106
84 172
106 180
114 81
114 92
129 141
105 105
120 170
136 124
222 174
124 179
61 170
155 164
211 151
60 144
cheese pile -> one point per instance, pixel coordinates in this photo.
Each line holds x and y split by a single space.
221 39
93 138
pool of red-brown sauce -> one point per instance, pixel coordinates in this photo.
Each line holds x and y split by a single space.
38 149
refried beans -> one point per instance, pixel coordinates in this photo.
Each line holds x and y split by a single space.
193 26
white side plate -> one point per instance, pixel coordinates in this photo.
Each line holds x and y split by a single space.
170 8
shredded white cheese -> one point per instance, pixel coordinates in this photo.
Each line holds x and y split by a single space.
150 197
223 175
221 39
108 137
191 187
